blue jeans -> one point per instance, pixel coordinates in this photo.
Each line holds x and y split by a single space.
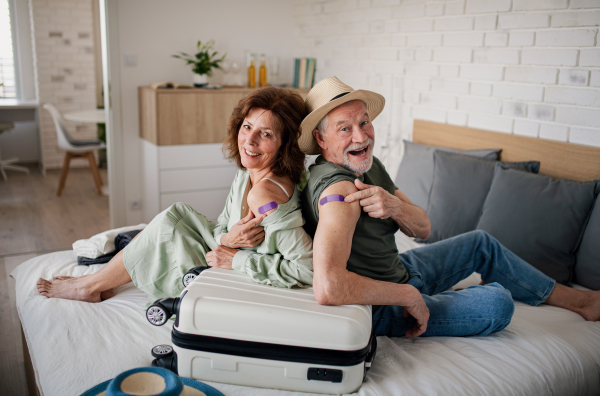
476 310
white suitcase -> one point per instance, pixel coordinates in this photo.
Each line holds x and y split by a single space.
232 330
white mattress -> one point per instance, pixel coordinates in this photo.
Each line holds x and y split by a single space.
74 346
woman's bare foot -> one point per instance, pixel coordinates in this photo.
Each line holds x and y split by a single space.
70 289
60 277
105 295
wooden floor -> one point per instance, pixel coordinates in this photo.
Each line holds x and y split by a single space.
34 221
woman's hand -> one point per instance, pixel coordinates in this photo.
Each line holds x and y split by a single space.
245 233
221 257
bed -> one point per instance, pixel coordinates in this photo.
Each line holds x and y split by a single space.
545 350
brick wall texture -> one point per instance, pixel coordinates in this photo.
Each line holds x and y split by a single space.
525 67
63 49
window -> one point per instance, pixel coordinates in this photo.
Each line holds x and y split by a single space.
7 64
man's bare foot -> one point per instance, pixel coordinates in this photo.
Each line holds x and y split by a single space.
590 308
70 289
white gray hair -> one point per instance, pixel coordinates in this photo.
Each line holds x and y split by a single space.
324 123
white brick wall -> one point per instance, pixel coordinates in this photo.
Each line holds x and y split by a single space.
527 67
64 69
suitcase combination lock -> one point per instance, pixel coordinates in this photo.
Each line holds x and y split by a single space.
324 374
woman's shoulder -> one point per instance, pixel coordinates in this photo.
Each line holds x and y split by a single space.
265 192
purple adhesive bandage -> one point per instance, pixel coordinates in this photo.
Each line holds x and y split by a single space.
266 207
331 198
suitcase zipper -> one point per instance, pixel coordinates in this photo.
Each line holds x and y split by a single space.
261 350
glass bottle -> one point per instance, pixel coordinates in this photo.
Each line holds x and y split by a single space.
252 73
262 72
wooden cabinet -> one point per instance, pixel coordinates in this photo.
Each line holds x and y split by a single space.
183 131
188 116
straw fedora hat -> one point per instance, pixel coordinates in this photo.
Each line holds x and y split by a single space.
151 381
324 97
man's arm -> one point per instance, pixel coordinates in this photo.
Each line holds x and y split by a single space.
333 284
379 203
412 220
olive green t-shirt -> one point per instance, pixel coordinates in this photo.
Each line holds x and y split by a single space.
373 253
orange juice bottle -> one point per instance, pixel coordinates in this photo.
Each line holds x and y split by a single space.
251 73
262 72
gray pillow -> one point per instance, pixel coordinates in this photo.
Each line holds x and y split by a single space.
539 218
460 186
415 175
587 266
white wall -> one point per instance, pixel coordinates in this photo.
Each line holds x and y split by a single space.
64 69
150 31
526 67
23 142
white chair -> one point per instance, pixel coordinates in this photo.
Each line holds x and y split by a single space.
74 149
8 163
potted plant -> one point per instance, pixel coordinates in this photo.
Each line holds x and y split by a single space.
203 62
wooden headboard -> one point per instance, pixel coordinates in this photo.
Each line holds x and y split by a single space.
557 159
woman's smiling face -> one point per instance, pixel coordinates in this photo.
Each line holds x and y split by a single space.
259 139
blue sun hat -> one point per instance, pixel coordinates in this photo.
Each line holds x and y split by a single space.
151 381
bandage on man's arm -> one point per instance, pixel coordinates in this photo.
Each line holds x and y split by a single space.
333 283
331 198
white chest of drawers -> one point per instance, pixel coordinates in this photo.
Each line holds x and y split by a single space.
196 174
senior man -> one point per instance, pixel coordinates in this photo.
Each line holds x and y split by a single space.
353 209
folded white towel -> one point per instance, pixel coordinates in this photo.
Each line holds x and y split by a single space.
102 243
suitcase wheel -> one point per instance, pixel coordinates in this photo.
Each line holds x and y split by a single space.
191 275
161 351
188 278
157 315
168 361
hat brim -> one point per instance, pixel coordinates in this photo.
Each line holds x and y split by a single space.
190 388
375 104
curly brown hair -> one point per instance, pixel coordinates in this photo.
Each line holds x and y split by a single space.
288 108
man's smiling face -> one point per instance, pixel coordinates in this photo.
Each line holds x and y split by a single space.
350 137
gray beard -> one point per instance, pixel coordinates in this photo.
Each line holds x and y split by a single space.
361 167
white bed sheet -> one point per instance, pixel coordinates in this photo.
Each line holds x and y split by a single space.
74 346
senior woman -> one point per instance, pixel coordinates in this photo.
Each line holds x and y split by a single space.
259 232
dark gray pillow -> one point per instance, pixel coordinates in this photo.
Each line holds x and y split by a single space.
539 218
587 266
415 175
460 186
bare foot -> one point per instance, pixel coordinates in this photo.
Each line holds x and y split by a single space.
70 289
590 309
105 295
62 277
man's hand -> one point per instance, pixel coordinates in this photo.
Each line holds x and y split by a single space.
245 233
221 257
375 201
416 307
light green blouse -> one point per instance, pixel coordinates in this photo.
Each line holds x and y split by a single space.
179 238
284 258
